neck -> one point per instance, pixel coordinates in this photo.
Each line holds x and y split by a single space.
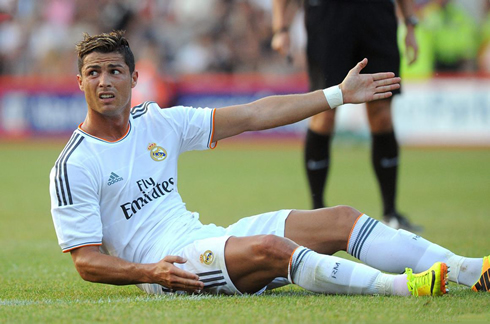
107 128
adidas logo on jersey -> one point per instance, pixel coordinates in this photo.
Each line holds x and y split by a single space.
113 179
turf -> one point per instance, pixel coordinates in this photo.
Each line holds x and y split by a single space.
445 190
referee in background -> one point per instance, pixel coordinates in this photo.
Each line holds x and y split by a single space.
339 34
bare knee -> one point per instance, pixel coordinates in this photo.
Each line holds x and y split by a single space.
271 249
343 219
345 213
254 261
323 123
379 116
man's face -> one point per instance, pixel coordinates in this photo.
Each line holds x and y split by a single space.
107 83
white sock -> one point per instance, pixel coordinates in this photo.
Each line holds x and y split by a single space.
465 271
332 275
391 250
400 287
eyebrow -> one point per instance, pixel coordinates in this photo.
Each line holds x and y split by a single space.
96 66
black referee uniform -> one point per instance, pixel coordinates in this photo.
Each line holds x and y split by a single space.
343 32
340 33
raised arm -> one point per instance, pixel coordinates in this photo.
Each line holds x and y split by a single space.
274 111
94 266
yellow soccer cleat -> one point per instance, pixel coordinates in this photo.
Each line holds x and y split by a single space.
432 282
483 284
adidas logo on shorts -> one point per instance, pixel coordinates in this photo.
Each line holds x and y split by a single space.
113 179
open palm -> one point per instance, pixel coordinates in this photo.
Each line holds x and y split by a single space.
359 88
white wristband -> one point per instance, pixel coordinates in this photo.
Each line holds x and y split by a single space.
334 96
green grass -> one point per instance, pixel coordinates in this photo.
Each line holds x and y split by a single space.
446 190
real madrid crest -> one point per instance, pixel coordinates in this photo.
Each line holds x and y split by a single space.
207 257
157 153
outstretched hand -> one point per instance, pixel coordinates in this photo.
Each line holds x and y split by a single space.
359 88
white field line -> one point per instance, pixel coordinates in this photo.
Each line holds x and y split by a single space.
125 300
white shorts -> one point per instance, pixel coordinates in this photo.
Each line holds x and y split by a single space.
206 255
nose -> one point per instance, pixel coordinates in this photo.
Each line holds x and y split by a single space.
105 80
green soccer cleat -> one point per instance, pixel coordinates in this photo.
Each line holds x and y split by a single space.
483 284
432 282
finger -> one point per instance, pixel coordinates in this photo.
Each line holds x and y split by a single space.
189 285
359 66
177 271
185 274
415 55
411 57
387 88
183 280
383 75
174 259
389 81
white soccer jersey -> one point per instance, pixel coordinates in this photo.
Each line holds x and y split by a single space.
123 195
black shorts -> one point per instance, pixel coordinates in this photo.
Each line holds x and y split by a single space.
340 33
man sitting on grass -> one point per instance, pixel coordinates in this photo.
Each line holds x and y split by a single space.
116 207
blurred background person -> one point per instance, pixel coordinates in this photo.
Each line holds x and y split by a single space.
339 33
454 36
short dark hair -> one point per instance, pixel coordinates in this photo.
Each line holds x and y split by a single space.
105 43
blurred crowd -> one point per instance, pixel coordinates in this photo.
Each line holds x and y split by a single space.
173 37
190 36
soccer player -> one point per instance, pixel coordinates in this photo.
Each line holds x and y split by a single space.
117 210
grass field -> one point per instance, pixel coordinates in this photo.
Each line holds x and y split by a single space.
446 190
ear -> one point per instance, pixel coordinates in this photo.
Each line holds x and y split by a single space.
80 82
134 78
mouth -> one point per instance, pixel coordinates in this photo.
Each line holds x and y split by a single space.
106 96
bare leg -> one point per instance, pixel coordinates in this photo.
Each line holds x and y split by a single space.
323 123
325 230
379 116
254 261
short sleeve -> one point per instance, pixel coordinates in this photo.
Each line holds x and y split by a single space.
74 207
194 125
